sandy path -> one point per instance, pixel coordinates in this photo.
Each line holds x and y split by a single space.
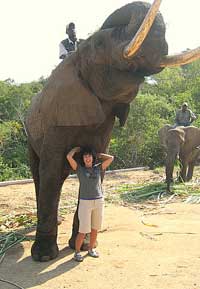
132 254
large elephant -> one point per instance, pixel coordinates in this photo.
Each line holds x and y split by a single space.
81 99
183 143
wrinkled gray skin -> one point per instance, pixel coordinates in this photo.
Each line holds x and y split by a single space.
183 143
98 77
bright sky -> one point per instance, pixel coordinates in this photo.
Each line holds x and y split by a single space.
30 30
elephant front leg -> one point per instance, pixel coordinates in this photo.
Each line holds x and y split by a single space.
183 171
190 171
192 157
169 173
45 246
75 228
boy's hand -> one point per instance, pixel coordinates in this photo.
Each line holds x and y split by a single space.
76 149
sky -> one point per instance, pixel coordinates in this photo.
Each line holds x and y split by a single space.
31 30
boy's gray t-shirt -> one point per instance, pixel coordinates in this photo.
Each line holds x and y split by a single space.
90 182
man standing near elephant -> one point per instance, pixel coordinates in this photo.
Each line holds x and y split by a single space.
184 116
68 45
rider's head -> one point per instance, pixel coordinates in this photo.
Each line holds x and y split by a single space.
184 106
70 30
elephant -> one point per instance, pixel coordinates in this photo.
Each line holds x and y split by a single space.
183 143
82 98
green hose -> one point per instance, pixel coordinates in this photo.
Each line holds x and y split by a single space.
9 240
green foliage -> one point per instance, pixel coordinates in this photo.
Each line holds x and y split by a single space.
14 101
13 158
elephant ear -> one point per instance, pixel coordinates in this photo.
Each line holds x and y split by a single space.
180 132
65 101
68 101
163 135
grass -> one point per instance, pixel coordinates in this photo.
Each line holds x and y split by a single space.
11 222
140 193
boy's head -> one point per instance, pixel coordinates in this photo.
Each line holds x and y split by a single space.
88 155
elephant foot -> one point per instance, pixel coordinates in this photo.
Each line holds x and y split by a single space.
181 179
189 178
44 249
71 242
170 180
168 189
85 245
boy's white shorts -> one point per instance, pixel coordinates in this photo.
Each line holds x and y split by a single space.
90 214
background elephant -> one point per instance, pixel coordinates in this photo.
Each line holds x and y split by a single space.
81 99
183 143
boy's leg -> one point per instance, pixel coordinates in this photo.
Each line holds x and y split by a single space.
92 252
79 241
84 215
93 237
97 217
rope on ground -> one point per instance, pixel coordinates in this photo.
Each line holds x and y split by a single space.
9 282
2 257
6 242
9 240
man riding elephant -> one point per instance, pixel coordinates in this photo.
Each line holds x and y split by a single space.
182 143
184 116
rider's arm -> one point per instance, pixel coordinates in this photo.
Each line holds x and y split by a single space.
192 116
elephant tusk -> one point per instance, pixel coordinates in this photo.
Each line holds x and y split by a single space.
141 34
180 59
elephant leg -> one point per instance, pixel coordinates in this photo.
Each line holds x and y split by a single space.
169 173
190 171
34 166
183 171
75 228
51 179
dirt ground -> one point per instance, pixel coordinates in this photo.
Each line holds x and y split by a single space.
149 245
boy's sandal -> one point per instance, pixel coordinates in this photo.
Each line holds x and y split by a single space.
78 257
93 253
